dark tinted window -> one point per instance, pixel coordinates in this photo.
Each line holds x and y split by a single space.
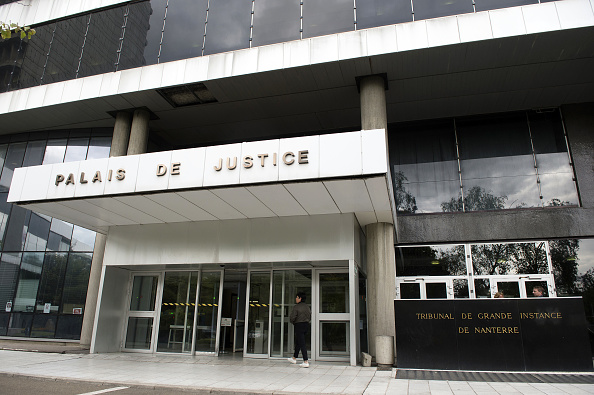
35 55
9 272
483 5
228 26
69 327
276 21
34 154
14 159
75 283
65 50
37 232
321 17
52 281
102 42
144 23
59 236
371 13
99 148
426 9
184 30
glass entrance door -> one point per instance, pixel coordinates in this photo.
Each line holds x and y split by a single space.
141 312
332 322
258 326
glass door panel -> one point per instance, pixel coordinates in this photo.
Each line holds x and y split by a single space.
333 318
334 292
208 312
258 314
285 286
177 312
139 333
334 339
144 292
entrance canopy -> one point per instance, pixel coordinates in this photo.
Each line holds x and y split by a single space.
313 175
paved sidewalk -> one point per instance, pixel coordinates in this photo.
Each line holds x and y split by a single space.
227 375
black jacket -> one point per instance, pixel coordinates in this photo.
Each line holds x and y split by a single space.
300 313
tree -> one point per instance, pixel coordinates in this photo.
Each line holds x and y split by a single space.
405 201
6 30
476 199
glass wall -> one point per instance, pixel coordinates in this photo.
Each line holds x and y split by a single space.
156 31
491 162
44 262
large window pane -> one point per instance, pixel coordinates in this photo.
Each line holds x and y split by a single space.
29 277
83 240
512 258
443 260
144 291
139 333
372 13
276 21
334 339
143 34
69 327
99 148
184 30
35 55
59 236
16 232
14 159
334 293
102 42
52 282
425 9
4 320
228 26
11 54
34 153
55 151
4 214
9 271
37 232
426 197
76 149
321 17
573 268
65 50
497 163
20 325
44 325
75 283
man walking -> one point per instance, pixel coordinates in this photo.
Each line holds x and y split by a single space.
300 318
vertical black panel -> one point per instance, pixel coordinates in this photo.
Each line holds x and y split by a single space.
372 13
184 30
65 50
228 26
142 37
102 42
426 9
321 17
276 21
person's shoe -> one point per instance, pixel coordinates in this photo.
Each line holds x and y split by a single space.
305 364
292 360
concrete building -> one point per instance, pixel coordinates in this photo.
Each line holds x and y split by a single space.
359 151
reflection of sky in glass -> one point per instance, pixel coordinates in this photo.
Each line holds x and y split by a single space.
586 255
553 163
558 186
430 195
276 21
76 149
184 30
520 191
425 9
228 26
54 151
431 171
322 17
520 165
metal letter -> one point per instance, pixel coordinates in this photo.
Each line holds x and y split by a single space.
97 177
70 179
274 159
302 157
248 162
82 178
109 175
220 166
288 162
175 168
161 170
229 163
121 174
59 179
262 157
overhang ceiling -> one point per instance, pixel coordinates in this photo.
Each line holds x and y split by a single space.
366 197
521 72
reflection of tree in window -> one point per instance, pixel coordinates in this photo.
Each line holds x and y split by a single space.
405 201
476 199
515 258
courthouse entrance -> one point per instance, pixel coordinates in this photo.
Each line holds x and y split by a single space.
238 311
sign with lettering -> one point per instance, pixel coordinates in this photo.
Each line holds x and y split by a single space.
539 334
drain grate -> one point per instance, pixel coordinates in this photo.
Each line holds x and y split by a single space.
495 377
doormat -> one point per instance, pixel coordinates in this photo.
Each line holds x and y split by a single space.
494 377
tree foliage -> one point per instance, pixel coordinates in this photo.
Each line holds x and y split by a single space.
405 201
8 29
476 199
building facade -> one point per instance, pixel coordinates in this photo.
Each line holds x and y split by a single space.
228 154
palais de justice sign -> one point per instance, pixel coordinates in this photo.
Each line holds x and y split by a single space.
540 334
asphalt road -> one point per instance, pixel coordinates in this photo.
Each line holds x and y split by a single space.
24 385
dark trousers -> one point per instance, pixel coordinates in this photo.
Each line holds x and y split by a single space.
301 329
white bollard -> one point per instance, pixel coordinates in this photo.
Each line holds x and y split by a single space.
384 349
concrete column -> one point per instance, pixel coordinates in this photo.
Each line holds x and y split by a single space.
121 134
381 282
119 146
579 123
373 103
139 132
93 290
